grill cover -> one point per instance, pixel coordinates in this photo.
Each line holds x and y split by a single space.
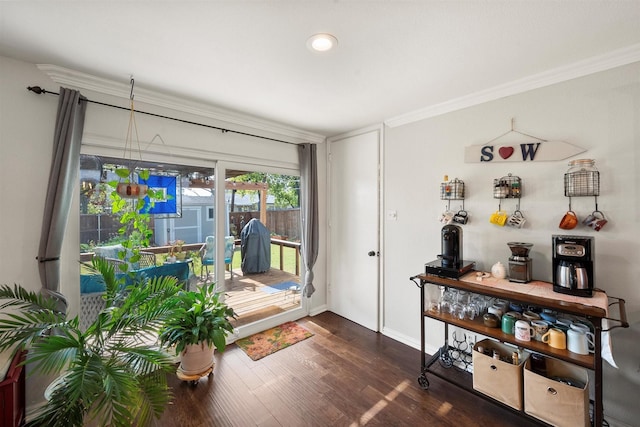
255 248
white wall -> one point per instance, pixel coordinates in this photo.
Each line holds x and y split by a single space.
26 135
600 113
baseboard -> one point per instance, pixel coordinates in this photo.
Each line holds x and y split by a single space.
407 340
317 310
615 423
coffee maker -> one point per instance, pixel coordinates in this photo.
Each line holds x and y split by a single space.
450 262
573 265
451 245
520 269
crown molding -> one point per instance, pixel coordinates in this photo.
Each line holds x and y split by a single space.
610 60
65 76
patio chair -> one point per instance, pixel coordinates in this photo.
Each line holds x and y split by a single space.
207 254
115 262
147 259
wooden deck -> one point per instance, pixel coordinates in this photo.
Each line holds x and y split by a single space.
252 297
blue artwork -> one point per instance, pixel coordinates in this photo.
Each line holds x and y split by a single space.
170 205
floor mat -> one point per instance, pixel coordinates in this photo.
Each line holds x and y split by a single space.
279 287
268 342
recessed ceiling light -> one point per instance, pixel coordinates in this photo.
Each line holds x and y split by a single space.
321 42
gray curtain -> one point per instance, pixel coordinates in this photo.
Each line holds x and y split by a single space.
308 212
62 179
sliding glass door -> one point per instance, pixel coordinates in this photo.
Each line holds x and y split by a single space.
256 212
262 207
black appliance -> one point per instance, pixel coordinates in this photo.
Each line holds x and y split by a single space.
573 265
520 269
450 262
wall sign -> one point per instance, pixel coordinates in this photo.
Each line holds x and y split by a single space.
536 151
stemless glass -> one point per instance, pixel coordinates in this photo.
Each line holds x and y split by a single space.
481 302
471 310
447 300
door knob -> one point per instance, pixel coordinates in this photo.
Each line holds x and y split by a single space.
372 253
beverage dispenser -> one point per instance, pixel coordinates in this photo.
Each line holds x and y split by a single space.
573 265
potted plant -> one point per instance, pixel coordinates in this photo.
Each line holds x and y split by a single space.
199 325
112 373
176 250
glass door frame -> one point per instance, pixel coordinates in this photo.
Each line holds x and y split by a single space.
220 200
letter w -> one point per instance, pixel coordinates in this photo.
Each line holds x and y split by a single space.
528 150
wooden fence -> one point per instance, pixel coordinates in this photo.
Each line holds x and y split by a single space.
283 224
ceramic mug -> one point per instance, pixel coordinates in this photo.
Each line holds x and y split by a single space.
508 324
563 323
555 338
530 315
549 316
580 342
596 220
569 221
516 307
585 329
579 326
446 217
499 218
541 327
523 330
515 314
516 220
461 217
496 310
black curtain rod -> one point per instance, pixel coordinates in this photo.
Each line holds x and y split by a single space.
38 90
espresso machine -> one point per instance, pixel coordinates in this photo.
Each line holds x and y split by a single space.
450 262
573 265
520 269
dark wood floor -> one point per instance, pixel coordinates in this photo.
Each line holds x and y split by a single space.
345 375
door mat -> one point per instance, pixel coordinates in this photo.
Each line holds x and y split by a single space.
267 342
279 287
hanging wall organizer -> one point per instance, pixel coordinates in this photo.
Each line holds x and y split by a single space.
453 190
583 180
508 187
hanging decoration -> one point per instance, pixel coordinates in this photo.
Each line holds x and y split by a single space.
128 188
537 150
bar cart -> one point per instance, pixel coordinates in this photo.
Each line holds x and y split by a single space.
536 293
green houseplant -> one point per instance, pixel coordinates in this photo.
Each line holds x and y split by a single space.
113 372
199 324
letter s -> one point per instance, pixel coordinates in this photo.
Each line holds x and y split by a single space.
487 153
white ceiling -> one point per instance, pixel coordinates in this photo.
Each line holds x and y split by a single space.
393 57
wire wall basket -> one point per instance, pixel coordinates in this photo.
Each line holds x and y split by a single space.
507 187
582 183
452 190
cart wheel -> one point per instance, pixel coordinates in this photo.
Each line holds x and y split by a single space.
194 383
210 374
423 382
445 360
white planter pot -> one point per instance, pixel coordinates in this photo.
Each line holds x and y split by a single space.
196 359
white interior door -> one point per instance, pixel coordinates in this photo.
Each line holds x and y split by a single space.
354 285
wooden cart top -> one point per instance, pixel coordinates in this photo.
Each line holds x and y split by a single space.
535 292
